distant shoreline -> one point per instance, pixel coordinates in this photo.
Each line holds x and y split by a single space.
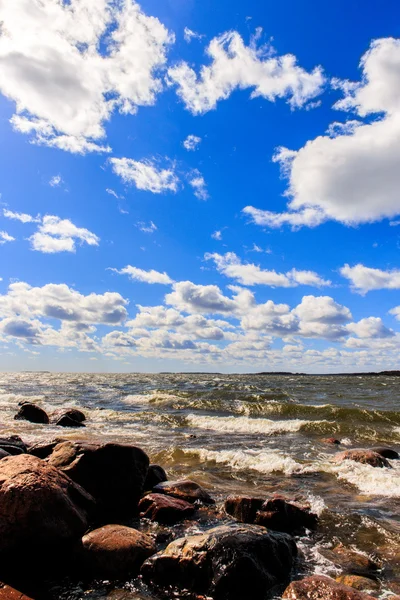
263 373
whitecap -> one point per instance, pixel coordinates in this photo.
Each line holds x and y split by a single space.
245 425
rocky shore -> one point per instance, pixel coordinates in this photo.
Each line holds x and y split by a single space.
76 513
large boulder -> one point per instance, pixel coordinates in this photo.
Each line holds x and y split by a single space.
114 474
275 513
9 593
165 509
318 587
41 509
115 551
226 562
33 413
73 413
184 489
13 445
365 457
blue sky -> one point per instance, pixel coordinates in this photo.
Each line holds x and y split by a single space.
199 186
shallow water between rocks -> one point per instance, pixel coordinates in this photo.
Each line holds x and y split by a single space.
247 434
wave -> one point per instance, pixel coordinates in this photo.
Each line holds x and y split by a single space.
369 480
245 425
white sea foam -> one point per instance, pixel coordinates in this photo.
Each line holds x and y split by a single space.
257 460
143 399
317 504
244 424
372 481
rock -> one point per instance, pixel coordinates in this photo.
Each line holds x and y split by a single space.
33 413
9 593
275 513
359 583
13 445
155 475
226 562
67 421
365 457
318 587
165 509
331 440
280 515
114 474
115 551
73 413
3 454
184 489
41 508
350 561
243 508
387 453
44 449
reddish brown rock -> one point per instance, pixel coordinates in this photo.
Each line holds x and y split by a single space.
365 457
114 474
44 449
184 489
115 551
9 593
243 508
226 562
33 413
363 584
73 413
318 587
40 507
155 475
280 515
165 509
67 421
350 561
331 440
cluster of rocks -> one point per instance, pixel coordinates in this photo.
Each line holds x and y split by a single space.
375 457
71 417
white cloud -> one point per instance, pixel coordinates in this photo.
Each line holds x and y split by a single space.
192 142
23 217
370 328
60 235
56 181
63 85
6 237
145 175
396 312
196 180
250 274
350 175
150 276
237 66
147 227
322 309
190 35
205 299
112 193
364 279
217 235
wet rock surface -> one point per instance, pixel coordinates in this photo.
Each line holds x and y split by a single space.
9 593
226 562
114 474
165 509
319 587
184 489
359 583
68 421
351 562
115 551
243 508
73 413
33 413
3 454
365 457
387 453
155 474
13 445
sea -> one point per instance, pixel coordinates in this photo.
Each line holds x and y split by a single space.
245 434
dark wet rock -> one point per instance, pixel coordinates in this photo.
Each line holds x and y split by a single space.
40 507
155 475
387 453
276 513
13 445
226 562
67 421
44 449
318 587
73 413
331 440
363 584
3 454
165 509
365 457
350 561
33 413
114 474
9 593
243 508
280 515
184 489
115 551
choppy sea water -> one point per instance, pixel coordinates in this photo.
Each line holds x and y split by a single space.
247 434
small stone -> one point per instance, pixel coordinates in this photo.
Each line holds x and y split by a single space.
68 421
280 515
184 489
365 457
243 508
351 562
331 440
387 453
319 587
116 551
33 413
165 509
155 475
73 413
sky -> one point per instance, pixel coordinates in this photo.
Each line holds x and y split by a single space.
199 186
